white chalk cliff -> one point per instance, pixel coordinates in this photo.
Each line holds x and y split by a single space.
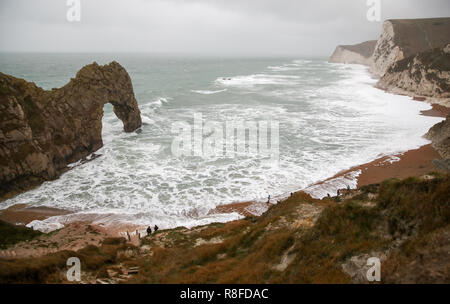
354 54
403 38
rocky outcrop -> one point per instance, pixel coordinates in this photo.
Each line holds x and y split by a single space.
354 54
439 135
426 74
41 132
406 37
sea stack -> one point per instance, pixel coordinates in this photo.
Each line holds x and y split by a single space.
41 132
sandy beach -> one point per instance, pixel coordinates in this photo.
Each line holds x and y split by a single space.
411 163
415 162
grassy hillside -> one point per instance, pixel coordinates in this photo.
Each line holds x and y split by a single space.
11 234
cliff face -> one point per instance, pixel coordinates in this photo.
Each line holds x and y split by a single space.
426 74
439 135
406 37
354 54
43 131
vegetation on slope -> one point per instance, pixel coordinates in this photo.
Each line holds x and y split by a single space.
302 240
398 218
11 234
52 268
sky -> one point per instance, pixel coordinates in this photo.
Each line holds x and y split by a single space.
201 27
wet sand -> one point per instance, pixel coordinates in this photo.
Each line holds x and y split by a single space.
234 207
22 214
411 163
243 208
437 111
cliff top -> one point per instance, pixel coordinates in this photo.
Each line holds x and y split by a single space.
418 35
365 48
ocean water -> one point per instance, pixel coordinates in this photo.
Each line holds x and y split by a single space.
330 117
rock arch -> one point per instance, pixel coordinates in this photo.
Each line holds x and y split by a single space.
41 131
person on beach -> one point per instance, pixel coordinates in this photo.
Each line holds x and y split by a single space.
149 230
156 228
338 192
268 199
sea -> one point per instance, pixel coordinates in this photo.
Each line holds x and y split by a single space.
329 118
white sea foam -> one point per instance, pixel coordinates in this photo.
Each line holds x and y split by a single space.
284 68
45 226
159 102
207 92
257 79
295 65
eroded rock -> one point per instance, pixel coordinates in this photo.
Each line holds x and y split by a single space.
439 135
402 38
426 75
41 132
354 54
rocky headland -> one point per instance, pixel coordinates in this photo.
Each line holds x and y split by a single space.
354 54
411 57
425 75
402 38
399 39
41 132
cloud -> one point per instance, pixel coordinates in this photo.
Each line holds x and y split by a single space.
226 27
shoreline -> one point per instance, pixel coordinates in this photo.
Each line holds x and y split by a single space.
413 162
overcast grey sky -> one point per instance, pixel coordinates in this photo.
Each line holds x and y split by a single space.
225 27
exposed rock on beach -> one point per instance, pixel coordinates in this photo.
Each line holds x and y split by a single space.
426 75
439 134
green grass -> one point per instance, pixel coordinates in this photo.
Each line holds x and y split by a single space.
51 267
12 234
